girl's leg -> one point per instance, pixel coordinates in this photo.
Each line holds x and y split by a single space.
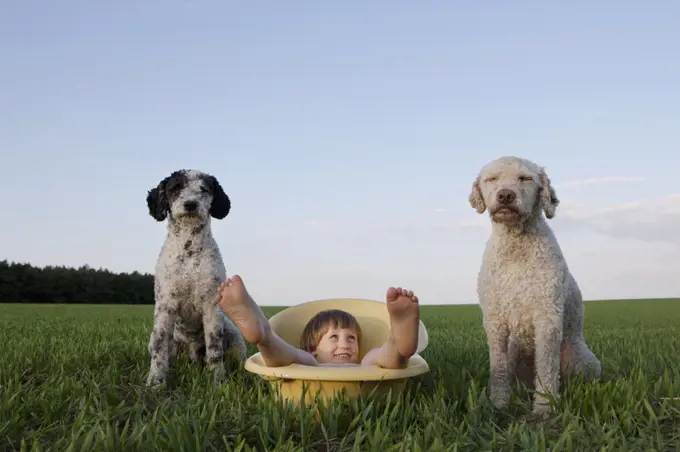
277 353
404 311
240 307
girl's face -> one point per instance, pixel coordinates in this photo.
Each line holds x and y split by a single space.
338 346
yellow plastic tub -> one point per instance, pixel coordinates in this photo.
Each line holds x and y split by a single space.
326 382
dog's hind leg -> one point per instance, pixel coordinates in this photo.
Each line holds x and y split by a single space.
234 345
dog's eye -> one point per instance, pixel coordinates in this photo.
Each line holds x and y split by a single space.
491 179
204 190
524 178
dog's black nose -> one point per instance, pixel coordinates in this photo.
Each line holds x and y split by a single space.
505 196
190 206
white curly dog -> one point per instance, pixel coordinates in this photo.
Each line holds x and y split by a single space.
188 274
531 304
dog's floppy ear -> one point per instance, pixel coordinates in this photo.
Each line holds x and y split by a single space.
157 202
221 204
548 197
476 199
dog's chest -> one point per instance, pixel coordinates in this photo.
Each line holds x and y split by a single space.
520 281
190 259
189 274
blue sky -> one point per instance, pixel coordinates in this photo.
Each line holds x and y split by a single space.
347 135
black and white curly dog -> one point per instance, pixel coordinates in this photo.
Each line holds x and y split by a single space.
188 273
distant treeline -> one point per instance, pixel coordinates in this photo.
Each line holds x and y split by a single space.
24 283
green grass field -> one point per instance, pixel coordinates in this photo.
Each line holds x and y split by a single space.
72 378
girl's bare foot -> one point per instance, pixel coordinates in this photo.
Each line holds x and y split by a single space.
240 307
404 311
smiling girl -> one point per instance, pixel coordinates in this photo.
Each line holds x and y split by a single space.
330 338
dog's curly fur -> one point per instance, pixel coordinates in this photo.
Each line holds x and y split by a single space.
188 273
531 304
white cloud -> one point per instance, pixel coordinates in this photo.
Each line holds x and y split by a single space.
599 181
650 220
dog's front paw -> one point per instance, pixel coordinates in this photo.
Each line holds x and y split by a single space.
499 391
540 413
219 374
542 406
499 399
154 380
